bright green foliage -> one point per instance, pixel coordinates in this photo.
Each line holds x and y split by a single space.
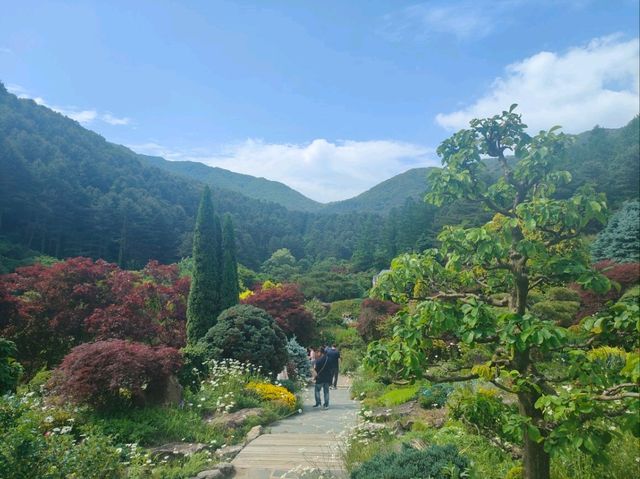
560 312
204 297
249 335
10 370
229 288
435 462
532 241
397 396
483 410
619 240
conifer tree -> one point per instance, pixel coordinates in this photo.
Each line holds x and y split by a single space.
229 286
204 305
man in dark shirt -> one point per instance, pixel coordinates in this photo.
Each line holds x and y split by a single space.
323 378
334 363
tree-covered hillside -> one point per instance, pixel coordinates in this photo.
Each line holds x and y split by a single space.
65 191
257 188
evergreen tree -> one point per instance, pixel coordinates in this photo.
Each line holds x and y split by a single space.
619 240
204 297
229 287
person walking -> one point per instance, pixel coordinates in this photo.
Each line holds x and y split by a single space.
323 379
334 363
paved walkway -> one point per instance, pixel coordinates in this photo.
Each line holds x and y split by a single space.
302 440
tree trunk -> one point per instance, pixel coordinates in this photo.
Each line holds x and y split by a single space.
536 460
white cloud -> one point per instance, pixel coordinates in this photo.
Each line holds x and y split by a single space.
593 84
322 170
114 120
83 116
465 19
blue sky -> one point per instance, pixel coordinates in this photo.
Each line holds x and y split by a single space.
329 97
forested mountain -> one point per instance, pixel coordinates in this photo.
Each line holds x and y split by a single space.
385 196
257 188
65 191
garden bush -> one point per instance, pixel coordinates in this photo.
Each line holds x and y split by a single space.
346 310
299 366
373 314
562 313
484 411
395 396
435 462
249 335
558 293
435 396
111 374
10 370
285 304
271 392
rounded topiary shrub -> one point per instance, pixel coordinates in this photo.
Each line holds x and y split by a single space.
248 334
435 462
112 374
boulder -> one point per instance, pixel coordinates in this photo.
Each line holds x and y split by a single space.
227 453
253 433
236 419
223 470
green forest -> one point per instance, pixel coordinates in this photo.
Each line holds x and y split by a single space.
486 311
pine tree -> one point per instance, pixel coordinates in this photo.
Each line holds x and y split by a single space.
229 286
204 304
619 240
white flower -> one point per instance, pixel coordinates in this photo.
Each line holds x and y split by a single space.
48 419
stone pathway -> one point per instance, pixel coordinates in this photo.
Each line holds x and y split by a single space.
306 440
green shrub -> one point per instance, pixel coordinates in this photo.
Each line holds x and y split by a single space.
484 410
33 444
632 295
516 472
10 370
350 360
194 367
434 397
559 293
39 383
560 312
344 310
289 385
435 462
249 335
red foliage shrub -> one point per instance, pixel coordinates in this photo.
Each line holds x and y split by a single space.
109 374
285 303
623 275
373 313
143 310
55 308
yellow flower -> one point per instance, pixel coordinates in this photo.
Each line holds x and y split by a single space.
271 392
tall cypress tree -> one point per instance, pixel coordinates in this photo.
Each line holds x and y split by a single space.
229 290
203 306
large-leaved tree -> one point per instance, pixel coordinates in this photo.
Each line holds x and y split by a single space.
574 389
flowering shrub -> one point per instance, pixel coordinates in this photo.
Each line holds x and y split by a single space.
224 388
271 392
39 441
115 373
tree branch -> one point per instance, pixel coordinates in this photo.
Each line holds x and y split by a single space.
449 379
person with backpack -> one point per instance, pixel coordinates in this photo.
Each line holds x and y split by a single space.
324 375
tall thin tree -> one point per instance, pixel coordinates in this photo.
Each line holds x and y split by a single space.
203 305
229 286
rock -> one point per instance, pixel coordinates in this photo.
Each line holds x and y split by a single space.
383 414
235 419
172 392
210 474
228 452
178 449
221 471
253 433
